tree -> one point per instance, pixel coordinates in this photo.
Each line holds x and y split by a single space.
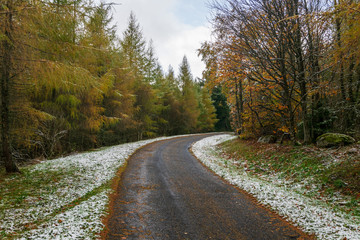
8 10
207 118
189 104
67 84
222 109
171 110
345 68
268 58
133 47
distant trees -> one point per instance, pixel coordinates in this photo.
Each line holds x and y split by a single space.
68 83
286 65
222 109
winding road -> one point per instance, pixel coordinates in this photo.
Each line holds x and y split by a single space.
165 193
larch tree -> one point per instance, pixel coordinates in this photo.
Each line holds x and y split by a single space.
143 63
68 83
171 111
190 109
207 117
7 72
133 47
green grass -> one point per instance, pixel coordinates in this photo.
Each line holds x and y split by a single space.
320 176
24 190
18 187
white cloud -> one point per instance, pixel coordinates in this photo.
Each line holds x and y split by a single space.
162 22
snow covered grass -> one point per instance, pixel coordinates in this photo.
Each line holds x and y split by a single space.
64 198
312 215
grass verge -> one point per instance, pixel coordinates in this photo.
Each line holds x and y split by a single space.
30 190
329 175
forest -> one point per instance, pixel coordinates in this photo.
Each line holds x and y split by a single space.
69 83
287 66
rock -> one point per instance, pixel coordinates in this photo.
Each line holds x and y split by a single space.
334 139
285 138
267 139
352 151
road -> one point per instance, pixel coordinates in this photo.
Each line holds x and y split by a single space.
165 193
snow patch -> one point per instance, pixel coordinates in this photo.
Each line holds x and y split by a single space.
311 215
80 174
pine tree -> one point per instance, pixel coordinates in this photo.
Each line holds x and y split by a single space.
222 110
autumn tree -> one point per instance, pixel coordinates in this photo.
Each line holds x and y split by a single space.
68 83
8 11
210 55
270 54
171 110
344 17
133 47
189 105
207 118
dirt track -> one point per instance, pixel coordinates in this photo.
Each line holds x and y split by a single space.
165 193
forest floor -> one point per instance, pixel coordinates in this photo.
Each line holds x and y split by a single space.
316 189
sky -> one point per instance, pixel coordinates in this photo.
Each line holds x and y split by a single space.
176 27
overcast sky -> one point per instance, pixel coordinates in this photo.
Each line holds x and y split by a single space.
177 28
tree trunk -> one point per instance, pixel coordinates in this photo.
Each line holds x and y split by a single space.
301 75
357 91
338 40
314 71
351 80
7 48
239 104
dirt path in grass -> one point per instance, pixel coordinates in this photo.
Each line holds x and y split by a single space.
165 193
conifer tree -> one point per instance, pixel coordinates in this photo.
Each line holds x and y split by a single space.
189 104
207 117
143 64
222 109
170 112
7 72
133 47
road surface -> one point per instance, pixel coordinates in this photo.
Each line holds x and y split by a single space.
165 193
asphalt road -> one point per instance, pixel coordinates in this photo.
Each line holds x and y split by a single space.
165 193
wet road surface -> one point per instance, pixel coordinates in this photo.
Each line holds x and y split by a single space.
165 193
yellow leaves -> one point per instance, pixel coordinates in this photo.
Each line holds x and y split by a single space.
63 77
69 101
106 82
249 88
284 129
40 115
93 124
282 107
